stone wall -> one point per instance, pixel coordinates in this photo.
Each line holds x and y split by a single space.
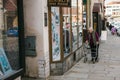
38 66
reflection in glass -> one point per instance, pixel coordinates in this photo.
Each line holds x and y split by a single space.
9 31
80 21
55 23
66 30
74 24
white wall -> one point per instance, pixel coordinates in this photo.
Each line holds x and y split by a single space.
34 26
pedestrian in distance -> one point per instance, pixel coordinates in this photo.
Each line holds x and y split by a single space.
110 27
113 30
93 40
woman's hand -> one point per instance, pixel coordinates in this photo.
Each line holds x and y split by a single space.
97 42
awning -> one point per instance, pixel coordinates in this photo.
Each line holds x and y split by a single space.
10 5
96 7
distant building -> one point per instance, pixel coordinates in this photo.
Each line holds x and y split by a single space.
112 9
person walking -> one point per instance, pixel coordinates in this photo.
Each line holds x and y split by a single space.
113 30
110 27
93 40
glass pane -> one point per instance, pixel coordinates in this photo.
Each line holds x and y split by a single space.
55 23
84 17
66 31
9 47
80 21
74 24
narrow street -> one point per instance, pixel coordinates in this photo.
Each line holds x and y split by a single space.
108 67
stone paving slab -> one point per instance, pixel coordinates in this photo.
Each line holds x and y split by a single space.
76 75
101 78
117 78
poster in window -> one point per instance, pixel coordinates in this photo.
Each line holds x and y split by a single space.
55 23
1 71
4 64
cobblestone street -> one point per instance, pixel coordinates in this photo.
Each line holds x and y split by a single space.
108 67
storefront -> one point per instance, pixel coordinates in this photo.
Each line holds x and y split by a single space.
65 34
98 23
11 40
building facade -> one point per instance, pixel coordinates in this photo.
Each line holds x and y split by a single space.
37 63
50 36
112 9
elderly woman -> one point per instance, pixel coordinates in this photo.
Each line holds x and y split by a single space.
93 40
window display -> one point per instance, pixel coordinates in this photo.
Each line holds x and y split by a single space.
55 23
9 46
74 24
66 31
10 35
80 33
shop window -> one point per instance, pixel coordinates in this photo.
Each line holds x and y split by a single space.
9 40
74 25
66 31
80 31
10 37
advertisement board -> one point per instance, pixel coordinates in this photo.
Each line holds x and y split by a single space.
5 67
55 24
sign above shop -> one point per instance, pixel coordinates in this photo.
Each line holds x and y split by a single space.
63 3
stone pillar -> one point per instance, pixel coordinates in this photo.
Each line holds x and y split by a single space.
34 26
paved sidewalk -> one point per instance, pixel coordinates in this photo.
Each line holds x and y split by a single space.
108 67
